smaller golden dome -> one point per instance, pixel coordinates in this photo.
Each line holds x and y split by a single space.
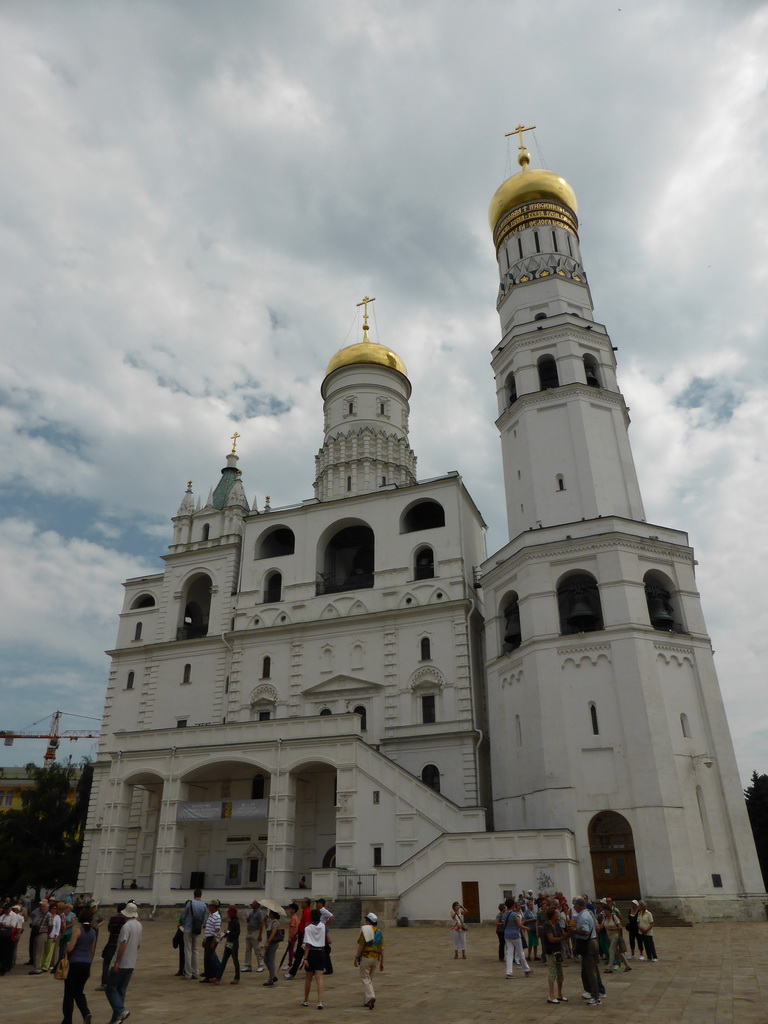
366 351
527 186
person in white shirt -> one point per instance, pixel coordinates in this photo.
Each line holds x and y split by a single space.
325 918
315 940
211 936
124 963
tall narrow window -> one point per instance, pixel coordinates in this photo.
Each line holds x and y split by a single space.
257 787
130 680
426 649
424 568
591 371
360 710
579 604
593 718
685 726
518 731
513 636
554 241
187 676
428 709
206 531
274 588
137 631
351 408
377 856
536 240
349 483
430 776
266 668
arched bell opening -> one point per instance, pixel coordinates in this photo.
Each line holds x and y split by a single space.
548 376
197 609
511 389
348 560
578 600
512 634
424 564
592 372
663 602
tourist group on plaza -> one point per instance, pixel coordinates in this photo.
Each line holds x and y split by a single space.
62 939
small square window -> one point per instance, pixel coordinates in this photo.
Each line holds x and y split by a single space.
264 716
181 723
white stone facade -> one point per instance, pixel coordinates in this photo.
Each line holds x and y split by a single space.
349 689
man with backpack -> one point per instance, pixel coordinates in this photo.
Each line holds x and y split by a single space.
192 918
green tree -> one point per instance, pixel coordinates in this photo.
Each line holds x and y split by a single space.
757 808
40 844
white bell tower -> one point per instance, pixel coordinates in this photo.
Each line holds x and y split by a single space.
604 706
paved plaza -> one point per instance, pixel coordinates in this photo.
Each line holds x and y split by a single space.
709 974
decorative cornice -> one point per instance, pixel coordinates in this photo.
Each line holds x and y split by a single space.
551 551
558 332
428 675
582 648
559 395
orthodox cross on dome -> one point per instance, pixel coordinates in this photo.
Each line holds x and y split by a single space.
523 157
364 304
234 443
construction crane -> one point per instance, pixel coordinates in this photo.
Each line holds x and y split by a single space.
54 734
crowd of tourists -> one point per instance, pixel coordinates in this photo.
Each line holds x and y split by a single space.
61 938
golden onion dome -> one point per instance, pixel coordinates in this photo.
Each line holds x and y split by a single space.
529 186
366 351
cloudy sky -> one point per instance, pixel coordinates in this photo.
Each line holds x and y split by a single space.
195 195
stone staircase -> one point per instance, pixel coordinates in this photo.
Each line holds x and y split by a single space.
347 912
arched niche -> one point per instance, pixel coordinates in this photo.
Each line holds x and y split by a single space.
548 376
143 601
612 848
511 632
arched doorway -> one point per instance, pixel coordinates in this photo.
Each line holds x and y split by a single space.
612 848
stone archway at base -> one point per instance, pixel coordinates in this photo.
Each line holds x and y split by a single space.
612 849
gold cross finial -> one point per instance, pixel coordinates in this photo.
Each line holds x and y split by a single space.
364 304
523 157
234 443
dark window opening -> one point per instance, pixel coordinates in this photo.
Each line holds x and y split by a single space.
536 240
579 605
206 531
348 562
349 483
187 676
570 248
428 709
425 564
717 881
520 247
377 856
279 542
593 719
554 241
540 316
383 481
253 870
326 711
548 377
181 723
130 680
381 408
360 710
137 631
430 776
560 483
257 787
513 635
351 408
274 588
427 515
264 716
426 649
145 601
266 668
